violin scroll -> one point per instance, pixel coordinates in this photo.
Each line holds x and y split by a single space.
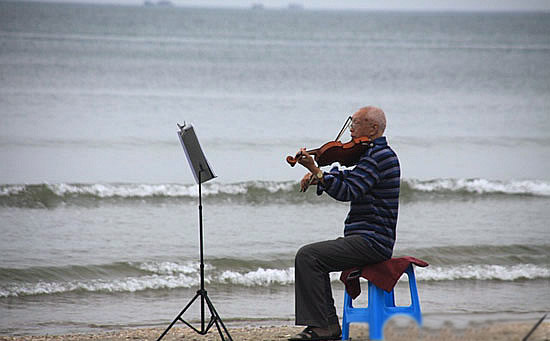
292 160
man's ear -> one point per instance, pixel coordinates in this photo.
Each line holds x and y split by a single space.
374 129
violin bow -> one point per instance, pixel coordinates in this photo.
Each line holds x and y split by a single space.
346 126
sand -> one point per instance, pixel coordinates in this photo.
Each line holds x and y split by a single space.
501 331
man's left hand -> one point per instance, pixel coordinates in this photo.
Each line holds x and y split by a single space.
306 160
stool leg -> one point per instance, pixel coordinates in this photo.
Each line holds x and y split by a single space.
345 323
415 301
377 317
389 298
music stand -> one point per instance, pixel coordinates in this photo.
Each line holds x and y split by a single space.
202 173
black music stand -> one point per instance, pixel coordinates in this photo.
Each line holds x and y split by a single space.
202 173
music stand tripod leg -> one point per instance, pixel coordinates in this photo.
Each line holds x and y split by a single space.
179 317
217 319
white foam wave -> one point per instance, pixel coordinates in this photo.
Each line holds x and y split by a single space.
260 277
152 190
171 268
482 186
172 276
130 284
125 190
11 189
483 272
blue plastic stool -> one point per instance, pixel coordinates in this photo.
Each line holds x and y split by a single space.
381 307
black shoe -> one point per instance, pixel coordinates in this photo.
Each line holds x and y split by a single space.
335 330
315 333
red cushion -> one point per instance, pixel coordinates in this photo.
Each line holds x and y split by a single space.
384 274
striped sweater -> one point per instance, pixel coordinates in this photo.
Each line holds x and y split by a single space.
372 187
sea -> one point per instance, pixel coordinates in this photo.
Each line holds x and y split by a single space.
99 217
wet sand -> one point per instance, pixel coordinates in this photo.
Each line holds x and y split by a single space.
502 331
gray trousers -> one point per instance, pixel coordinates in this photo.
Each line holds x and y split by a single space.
313 296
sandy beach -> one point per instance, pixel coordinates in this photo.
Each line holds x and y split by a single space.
501 331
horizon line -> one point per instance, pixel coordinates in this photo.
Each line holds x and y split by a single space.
288 7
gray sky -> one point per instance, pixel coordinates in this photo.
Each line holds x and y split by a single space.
498 5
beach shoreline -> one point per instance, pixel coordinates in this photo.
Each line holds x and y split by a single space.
488 331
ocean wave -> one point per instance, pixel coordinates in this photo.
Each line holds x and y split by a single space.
456 255
172 275
260 277
166 275
479 186
52 195
483 272
131 284
275 266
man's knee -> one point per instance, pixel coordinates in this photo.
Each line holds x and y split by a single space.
305 255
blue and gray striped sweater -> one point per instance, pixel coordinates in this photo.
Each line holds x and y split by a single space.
372 187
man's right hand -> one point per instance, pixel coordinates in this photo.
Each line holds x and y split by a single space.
307 180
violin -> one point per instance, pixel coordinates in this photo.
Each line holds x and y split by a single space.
347 154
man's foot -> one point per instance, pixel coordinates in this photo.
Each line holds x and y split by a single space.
316 333
335 330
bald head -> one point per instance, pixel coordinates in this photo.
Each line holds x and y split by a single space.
370 122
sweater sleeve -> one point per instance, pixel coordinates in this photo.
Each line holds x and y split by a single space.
350 185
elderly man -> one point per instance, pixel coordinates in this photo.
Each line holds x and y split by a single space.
372 188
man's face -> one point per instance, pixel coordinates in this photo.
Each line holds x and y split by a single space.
360 125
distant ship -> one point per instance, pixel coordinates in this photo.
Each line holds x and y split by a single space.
257 6
292 6
161 3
